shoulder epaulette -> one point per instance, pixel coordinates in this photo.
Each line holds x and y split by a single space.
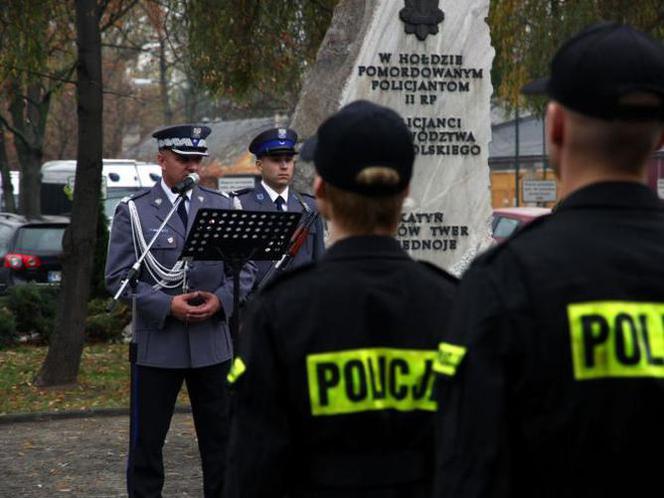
134 196
213 191
493 252
439 271
242 191
310 196
284 277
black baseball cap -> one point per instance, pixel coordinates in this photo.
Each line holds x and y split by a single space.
593 71
184 139
358 136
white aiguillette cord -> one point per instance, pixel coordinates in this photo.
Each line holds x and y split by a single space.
168 278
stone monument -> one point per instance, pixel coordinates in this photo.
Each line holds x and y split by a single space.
431 60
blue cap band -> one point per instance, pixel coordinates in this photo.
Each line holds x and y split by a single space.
275 145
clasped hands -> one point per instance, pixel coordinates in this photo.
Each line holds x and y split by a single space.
195 306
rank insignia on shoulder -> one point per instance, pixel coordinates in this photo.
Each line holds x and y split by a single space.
237 369
242 191
448 359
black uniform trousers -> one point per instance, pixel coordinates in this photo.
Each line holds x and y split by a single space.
154 393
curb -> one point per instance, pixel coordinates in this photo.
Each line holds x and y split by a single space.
19 418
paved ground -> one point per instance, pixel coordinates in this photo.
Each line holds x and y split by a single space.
85 457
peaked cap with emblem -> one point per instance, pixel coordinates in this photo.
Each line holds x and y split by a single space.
185 139
274 142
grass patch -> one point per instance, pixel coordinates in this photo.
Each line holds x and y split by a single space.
103 381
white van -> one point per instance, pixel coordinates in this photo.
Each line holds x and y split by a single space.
120 178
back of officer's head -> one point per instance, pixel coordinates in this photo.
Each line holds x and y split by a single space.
609 82
364 157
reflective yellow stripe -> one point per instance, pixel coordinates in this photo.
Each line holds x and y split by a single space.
448 358
237 369
370 379
616 339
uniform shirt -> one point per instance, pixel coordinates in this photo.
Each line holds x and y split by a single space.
172 197
273 194
560 392
302 425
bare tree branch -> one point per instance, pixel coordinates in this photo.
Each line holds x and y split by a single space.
117 15
134 48
15 131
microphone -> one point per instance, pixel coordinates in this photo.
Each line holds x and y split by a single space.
186 184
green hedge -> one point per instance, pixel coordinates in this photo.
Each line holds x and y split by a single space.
34 308
104 326
7 327
29 309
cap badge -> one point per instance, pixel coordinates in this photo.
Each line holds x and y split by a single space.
196 133
282 133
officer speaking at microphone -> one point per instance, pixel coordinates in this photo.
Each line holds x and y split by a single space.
552 367
275 159
181 320
334 375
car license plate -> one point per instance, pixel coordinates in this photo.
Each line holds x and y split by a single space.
54 277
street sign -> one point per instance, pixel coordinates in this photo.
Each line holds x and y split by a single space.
539 190
232 183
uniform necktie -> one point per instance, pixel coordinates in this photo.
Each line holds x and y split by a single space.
182 211
279 201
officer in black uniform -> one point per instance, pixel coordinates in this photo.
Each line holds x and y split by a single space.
335 371
275 159
179 334
553 363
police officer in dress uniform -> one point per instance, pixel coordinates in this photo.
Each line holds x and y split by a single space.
334 376
553 364
275 159
179 336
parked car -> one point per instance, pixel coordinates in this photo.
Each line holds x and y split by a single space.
506 221
30 249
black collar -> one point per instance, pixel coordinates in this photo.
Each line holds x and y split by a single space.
365 246
620 195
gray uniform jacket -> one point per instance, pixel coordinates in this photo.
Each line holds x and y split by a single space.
257 199
163 341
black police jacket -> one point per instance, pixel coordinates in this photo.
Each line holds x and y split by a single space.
334 379
560 391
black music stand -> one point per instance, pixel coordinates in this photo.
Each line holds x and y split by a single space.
235 237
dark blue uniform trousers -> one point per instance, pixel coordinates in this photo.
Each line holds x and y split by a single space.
154 393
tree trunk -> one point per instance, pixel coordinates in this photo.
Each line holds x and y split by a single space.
321 91
64 355
8 204
29 115
29 198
